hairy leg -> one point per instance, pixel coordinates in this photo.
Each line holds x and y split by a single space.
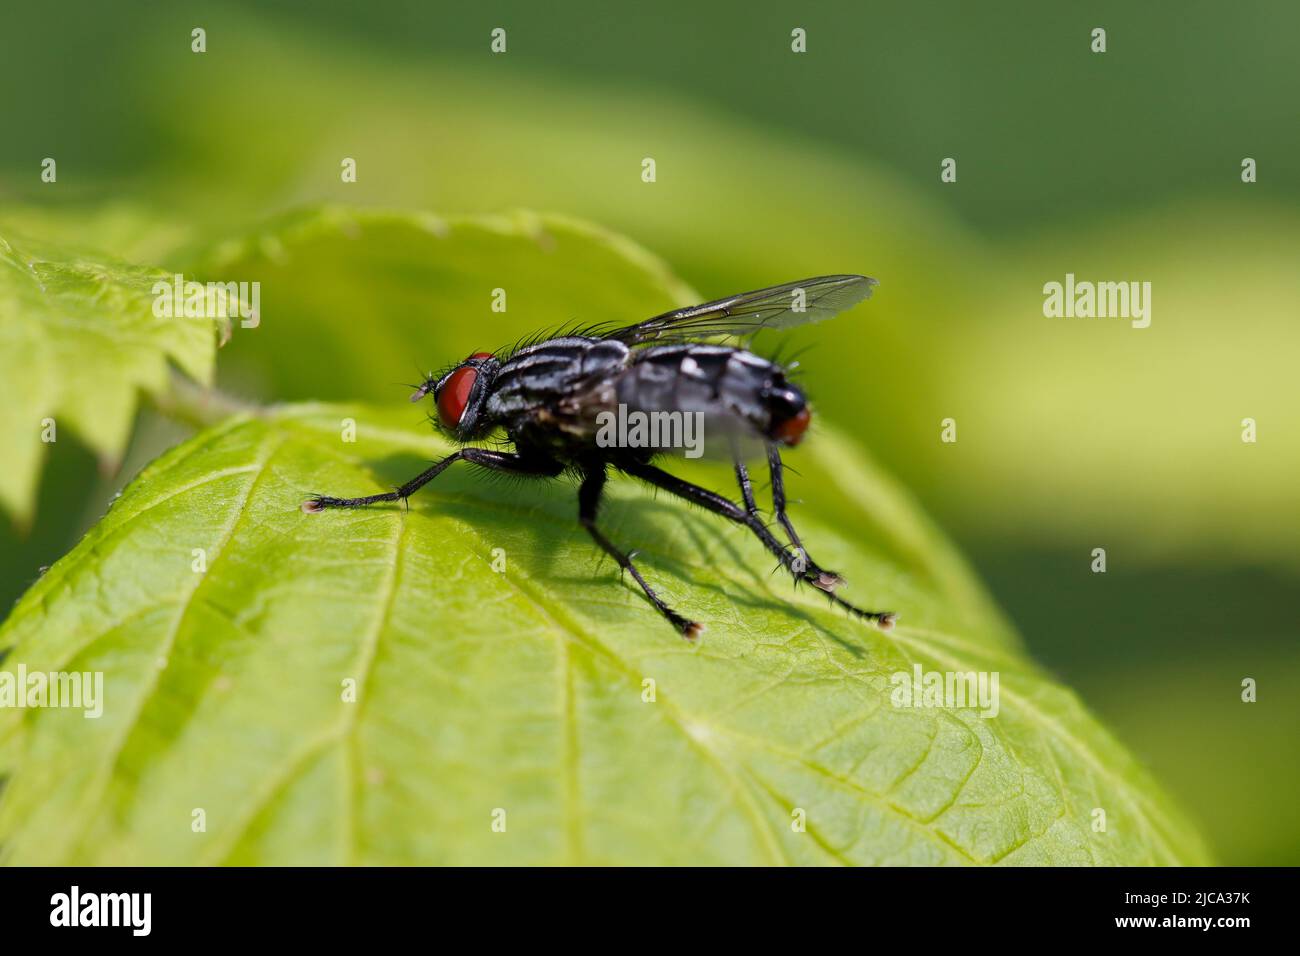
512 463
826 580
722 506
593 484
802 565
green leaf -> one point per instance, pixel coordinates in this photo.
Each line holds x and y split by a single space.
523 690
78 343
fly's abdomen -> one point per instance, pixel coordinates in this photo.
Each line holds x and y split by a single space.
739 394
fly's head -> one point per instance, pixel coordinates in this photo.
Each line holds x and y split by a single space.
460 395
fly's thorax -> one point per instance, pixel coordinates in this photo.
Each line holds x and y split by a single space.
548 373
547 395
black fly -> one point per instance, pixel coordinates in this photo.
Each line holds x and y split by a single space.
550 396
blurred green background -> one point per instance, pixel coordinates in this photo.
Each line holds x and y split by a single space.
1073 434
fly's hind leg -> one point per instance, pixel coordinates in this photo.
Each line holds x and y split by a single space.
719 505
800 564
593 484
818 577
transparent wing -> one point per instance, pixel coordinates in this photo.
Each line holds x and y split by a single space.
779 307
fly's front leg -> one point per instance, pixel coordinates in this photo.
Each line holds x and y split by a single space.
593 483
497 460
513 463
729 510
818 577
320 502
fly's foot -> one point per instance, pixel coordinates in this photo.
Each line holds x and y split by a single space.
827 581
686 628
805 569
318 503
885 620
882 619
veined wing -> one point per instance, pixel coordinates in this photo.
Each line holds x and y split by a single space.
779 307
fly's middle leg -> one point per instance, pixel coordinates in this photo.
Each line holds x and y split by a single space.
819 577
593 484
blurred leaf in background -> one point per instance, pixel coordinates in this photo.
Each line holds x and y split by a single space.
79 340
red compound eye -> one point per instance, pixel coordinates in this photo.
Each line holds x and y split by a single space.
454 395
791 430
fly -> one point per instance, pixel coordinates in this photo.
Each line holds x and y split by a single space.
550 396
